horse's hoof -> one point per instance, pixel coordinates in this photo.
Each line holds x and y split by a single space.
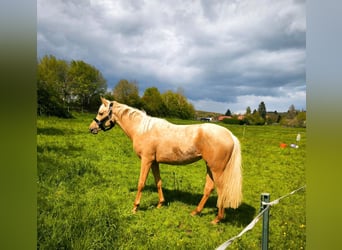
160 205
215 221
134 210
194 213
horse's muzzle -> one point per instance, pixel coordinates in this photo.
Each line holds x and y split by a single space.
93 128
93 131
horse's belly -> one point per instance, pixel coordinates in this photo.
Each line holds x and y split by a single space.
182 161
177 155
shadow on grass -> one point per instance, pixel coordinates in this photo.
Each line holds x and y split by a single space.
241 216
55 131
50 131
62 150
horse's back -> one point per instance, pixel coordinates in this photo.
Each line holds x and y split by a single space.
192 135
217 133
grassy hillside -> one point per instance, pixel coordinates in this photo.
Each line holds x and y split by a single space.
87 185
200 113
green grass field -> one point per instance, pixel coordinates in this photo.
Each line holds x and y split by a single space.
87 185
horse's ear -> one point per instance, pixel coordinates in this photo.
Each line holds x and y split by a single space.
104 101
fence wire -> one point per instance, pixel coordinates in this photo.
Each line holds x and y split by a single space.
224 245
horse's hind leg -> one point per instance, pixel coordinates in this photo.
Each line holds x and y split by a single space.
219 217
221 210
208 188
157 179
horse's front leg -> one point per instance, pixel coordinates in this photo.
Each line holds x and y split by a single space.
144 170
157 179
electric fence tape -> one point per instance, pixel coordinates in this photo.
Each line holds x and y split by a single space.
256 219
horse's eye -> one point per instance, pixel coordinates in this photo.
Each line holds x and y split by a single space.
100 113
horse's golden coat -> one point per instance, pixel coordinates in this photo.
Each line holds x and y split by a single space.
157 141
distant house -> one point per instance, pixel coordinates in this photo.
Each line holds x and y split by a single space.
221 117
241 117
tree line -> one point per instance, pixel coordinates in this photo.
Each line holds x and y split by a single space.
260 116
66 86
63 87
167 104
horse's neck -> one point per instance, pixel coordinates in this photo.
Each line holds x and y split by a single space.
129 127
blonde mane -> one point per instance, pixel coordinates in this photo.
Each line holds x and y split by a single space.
146 122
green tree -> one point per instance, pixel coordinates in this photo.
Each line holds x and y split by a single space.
128 93
248 110
171 103
108 95
53 90
228 113
273 117
177 105
262 110
87 83
62 85
301 117
291 113
294 118
152 102
256 119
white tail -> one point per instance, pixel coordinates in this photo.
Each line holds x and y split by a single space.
231 179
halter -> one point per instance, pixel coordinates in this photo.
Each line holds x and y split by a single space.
101 123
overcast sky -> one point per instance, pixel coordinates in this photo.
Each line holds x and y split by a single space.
223 54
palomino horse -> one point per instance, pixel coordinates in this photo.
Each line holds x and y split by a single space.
157 141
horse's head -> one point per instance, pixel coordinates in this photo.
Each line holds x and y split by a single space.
104 119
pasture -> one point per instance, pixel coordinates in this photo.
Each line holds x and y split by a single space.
87 184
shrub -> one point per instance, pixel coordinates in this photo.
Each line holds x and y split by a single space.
233 121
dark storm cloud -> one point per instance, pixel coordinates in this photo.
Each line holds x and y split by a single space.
220 53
